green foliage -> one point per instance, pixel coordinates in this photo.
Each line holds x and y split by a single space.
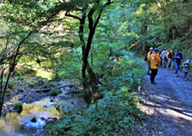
24 70
20 78
11 84
116 113
18 107
8 93
42 33
160 23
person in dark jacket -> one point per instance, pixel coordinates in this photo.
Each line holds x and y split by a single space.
170 57
177 60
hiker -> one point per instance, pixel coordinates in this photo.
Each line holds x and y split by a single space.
177 60
154 63
170 56
164 59
148 62
186 66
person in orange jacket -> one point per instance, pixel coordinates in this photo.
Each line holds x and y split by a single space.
170 56
154 61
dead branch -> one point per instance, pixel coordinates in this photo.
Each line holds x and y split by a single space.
49 89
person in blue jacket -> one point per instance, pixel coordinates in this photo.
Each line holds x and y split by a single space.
177 61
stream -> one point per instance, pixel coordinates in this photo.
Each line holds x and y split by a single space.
35 116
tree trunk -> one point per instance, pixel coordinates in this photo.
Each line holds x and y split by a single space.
86 48
86 65
93 79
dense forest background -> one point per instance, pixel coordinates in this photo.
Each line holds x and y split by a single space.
92 43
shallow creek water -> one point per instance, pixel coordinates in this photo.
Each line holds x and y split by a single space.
14 124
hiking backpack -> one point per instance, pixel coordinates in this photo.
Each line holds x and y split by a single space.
170 55
146 57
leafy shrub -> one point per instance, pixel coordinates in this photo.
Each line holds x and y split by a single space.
11 84
20 78
8 93
18 107
116 113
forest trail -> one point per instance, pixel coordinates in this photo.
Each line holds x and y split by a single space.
169 103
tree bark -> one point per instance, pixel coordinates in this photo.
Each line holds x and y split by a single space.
92 27
93 79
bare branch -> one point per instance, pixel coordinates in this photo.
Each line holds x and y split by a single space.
69 15
49 89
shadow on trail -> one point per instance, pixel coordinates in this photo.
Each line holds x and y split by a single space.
171 99
184 112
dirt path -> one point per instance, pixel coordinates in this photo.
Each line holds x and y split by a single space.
168 105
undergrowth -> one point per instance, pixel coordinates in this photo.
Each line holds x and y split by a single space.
115 114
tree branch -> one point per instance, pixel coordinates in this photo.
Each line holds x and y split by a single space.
49 89
92 28
69 15
90 14
99 16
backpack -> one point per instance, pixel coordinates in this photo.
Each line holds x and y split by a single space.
170 55
146 57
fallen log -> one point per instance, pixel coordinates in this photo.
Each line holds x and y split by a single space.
49 89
